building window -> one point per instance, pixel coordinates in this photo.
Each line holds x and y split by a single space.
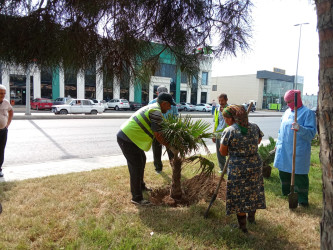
183 77
46 83
214 88
167 70
203 97
70 83
183 95
90 84
204 80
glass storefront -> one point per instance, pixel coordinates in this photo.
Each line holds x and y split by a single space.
70 83
274 91
90 84
203 97
46 83
183 95
17 85
107 87
145 94
124 86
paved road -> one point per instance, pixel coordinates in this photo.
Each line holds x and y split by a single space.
35 141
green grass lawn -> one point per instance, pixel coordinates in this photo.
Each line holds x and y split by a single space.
91 210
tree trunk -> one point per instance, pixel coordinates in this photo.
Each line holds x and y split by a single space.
325 116
176 189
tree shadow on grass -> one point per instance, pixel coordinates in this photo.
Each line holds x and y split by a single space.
216 231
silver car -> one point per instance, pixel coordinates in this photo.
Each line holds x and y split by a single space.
78 106
118 104
188 106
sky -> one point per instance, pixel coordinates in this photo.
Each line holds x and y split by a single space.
275 42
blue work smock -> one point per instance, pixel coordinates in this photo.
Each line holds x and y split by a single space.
284 146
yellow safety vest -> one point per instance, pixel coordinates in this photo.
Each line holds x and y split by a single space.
216 118
138 127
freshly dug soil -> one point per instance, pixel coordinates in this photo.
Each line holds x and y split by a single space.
200 187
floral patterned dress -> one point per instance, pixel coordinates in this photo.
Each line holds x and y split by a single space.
245 185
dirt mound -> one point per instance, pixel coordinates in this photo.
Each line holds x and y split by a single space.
200 187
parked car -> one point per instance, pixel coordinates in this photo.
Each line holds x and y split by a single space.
78 106
135 105
61 100
16 99
100 103
41 103
118 104
203 107
180 107
188 106
253 108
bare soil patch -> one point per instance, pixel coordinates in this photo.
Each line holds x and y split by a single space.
200 187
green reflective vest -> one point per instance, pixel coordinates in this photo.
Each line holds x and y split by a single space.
138 127
216 118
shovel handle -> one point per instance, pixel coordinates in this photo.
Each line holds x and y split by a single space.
294 145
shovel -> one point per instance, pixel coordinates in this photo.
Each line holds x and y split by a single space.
293 197
222 174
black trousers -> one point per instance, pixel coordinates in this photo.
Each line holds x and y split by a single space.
3 141
157 152
136 162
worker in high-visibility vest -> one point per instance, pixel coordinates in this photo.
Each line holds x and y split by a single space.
219 126
136 136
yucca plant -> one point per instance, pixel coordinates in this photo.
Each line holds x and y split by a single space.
186 137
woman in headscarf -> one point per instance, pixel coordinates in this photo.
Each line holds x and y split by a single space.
245 185
306 130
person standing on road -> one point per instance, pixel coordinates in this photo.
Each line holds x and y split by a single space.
156 146
213 106
219 126
306 130
245 183
136 136
6 116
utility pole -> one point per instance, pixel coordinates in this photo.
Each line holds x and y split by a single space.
299 45
27 81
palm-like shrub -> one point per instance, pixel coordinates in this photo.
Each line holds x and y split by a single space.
185 137
267 154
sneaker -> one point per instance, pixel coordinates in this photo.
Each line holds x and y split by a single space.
141 203
220 171
1 174
158 171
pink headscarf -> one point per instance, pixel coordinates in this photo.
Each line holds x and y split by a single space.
289 98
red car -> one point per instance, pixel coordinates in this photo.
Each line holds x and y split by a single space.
41 103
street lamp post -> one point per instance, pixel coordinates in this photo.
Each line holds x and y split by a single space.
299 45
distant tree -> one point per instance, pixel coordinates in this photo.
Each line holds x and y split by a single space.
120 33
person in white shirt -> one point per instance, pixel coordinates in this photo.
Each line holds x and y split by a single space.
6 116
